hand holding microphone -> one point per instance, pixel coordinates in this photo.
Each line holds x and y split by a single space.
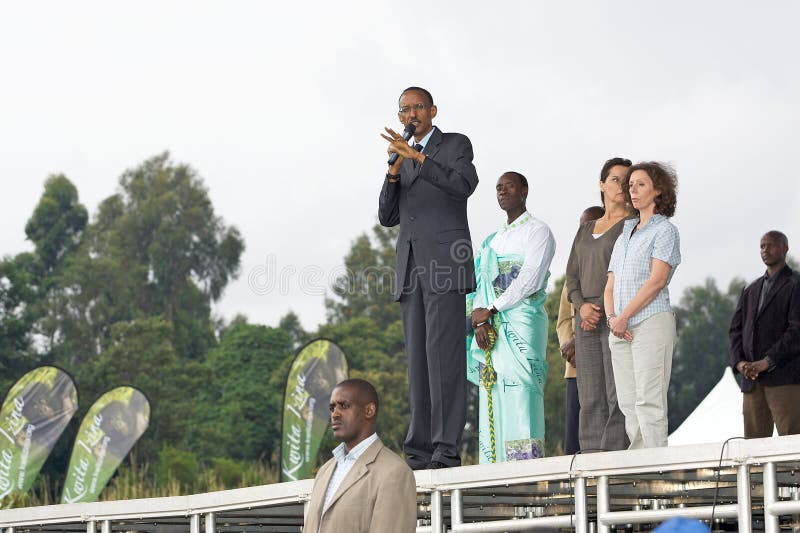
407 133
398 143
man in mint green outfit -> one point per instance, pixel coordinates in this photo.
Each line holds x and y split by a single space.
506 351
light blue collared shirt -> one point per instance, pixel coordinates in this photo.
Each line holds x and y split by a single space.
632 259
344 463
424 140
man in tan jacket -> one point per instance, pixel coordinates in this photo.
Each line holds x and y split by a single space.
365 487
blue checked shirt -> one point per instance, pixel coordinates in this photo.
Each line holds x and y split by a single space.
632 258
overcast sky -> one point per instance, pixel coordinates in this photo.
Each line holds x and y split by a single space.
279 106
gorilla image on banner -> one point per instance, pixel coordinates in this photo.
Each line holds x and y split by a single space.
108 432
317 368
35 412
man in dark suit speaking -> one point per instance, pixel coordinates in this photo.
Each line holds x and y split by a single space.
426 191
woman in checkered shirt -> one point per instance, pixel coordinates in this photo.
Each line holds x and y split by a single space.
643 336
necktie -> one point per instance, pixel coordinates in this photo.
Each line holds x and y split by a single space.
418 148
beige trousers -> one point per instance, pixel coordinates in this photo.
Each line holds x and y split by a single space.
642 369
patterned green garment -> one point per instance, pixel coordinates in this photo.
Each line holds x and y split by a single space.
517 364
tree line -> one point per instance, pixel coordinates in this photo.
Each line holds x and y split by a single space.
124 297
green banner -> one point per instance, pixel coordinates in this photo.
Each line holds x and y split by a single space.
108 432
35 412
317 368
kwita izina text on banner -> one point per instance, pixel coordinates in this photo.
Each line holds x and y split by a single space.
317 368
108 432
35 412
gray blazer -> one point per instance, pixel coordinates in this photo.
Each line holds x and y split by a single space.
430 204
378 495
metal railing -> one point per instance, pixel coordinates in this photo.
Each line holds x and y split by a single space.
753 483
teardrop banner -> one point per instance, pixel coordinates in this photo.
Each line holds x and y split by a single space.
35 412
109 430
317 368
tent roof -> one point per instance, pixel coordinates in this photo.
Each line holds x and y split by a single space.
718 417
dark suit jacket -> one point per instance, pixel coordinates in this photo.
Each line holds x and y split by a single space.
774 332
378 495
430 204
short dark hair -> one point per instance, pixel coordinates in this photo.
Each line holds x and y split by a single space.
420 89
607 166
593 213
522 179
365 390
780 236
664 179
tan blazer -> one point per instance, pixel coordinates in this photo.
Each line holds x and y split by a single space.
565 327
379 495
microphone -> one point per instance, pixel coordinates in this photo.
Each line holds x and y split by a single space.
407 133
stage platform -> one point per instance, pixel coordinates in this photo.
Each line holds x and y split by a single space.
757 490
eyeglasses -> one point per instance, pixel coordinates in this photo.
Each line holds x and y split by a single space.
406 109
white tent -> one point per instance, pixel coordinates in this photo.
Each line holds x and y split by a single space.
718 416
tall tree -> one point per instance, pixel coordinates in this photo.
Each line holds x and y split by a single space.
290 323
141 353
57 222
156 249
701 355
241 414
19 280
367 287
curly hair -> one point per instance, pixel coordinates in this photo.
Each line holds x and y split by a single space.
664 179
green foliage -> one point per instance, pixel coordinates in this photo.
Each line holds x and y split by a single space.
703 319
57 222
367 289
230 472
156 249
245 420
126 299
555 386
19 280
179 465
367 344
141 353
290 323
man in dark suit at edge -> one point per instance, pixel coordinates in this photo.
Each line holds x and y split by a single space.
765 344
426 191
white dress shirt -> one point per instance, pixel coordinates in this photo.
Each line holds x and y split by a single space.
530 237
344 463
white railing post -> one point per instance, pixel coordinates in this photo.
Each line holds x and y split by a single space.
581 512
436 511
603 503
211 523
771 521
743 503
194 523
456 508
